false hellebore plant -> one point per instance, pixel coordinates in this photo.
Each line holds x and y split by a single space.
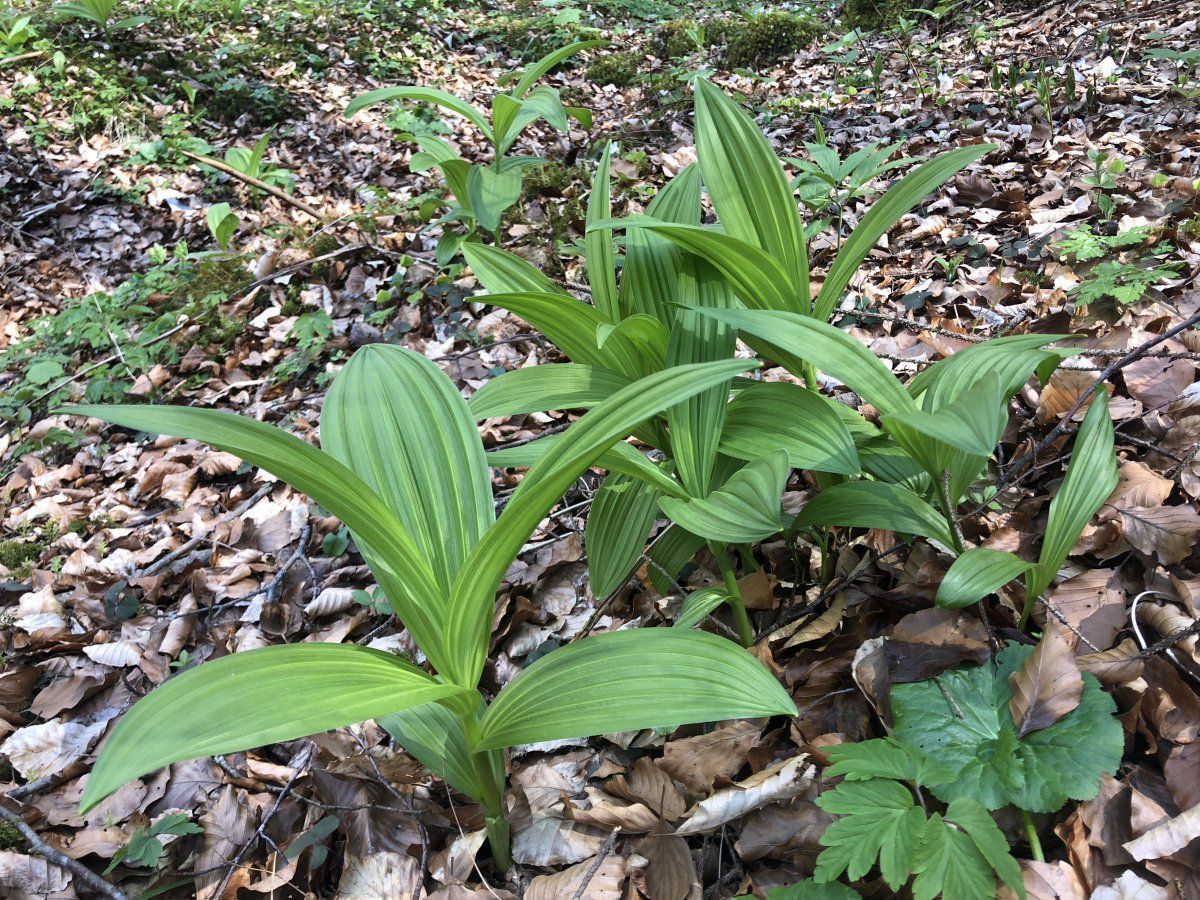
404 468
727 461
484 193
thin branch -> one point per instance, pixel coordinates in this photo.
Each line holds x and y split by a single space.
255 182
60 859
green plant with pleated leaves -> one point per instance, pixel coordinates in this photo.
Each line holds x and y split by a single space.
726 460
251 161
935 439
99 13
484 193
403 467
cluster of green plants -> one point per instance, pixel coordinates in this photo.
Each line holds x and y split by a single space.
117 336
653 357
1118 266
761 39
482 193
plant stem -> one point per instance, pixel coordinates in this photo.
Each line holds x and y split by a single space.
810 377
492 800
947 504
740 618
1035 845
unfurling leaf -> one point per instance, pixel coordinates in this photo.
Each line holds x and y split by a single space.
745 508
1047 686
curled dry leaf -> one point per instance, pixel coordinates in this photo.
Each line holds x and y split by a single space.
1131 886
116 653
1120 665
1170 837
1047 686
1166 619
670 873
779 781
330 601
49 748
32 876
1047 881
1168 532
821 625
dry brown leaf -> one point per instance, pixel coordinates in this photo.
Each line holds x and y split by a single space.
330 601
647 783
605 883
1166 619
1131 886
32 877
1047 881
1182 771
1047 686
1168 532
606 812
782 830
116 654
698 761
1168 838
670 872
780 781
551 841
228 825
386 874
1139 485
821 625
49 748
1120 665
1093 602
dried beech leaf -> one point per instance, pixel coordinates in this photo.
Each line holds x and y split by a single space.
330 601
821 625
1170 837
1168 532
605 883
1047 686
670 871
116 654
698 761
780 781
1120 665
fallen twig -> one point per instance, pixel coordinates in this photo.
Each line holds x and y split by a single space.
255 182
60 859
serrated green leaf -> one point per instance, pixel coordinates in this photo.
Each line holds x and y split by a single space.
808 889
879 820
975 736
627 680
875 504
884 758
745 508
776 415
948 863
975 574
622 515
234 703
988 839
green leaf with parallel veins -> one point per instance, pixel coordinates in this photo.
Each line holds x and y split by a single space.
699 604
670 553
747 186
402 571
234 703
473 597
502 272
745 508
1014 359
975 735
394 417
875 504
653 264
627 680
560 386
423 95
886 212
774 415
622 515
975 574
620 457
1091 477
492 192
830 349
598 244
972 422
879 820
433 734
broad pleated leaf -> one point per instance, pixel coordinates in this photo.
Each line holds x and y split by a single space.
1013 359
884 460
620 457
646 334
423 95
745 180
535 70
544 388
757 279
745 508
598 244
433 734
699 604
776 415
394 417
670 553
622 514
972 422
695 425
255 698
473 597
402 571
978 572
573 327
1091 477
832 350
886 212
492 192
627 680
875 504
502 272
650 277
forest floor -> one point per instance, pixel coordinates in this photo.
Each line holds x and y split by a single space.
124 559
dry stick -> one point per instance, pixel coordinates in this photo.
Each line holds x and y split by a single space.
605 849
1016 470
60 859
251 180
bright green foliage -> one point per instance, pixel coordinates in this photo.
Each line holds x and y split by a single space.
144 847
98 12
404 471
484 193
959 854
764 38
1125 282
1083 244
826 180
976 739
250 161
808 889
15 33
222 223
